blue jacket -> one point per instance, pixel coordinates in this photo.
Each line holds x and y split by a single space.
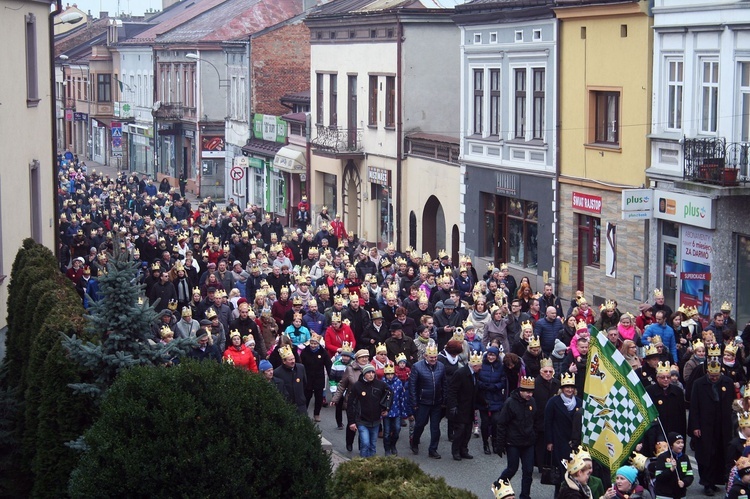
314 322
426 383
399 407
492 385
667 337
547 332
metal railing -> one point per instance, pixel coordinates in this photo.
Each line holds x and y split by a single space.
169 111
716 161
338 140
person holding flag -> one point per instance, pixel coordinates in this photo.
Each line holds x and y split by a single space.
617 411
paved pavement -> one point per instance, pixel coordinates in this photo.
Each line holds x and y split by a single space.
475 475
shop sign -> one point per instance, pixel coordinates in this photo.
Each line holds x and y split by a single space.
507 183
212 146
685 209
80 117
695 272
587 202
637 204
379 176
269 127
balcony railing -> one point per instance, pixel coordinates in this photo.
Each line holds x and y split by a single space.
714 161
169 111
338 140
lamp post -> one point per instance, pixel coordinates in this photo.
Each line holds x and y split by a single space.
222 82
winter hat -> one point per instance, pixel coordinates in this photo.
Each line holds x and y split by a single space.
369 368
264 365
628 472
559 350
494 350
673 436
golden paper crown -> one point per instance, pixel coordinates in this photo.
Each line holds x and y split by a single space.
317 338
658 293
692 311
166 331
423 297
714 350
338 300
285 352
744 419
179 266
380 347
639 461
172 305
545 363
347 322
650 350
494 308
346 348
581 325
567 379
391 247
400 261
503 266
683 309
577 461
297 300
458 335
210 313
155 266
401 357
233 333
284 289
423 269
336 317
713 367
726 306
431 348
656 340
607 305
534 342
663 368
354 297
389 368
475 358
502 489
385 262
426 257
698 344
527 326
442 254
186 311
731 349
527 383
462 268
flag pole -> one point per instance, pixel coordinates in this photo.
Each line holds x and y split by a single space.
666 439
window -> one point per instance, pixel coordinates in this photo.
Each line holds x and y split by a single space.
32 76
607 117
478 100
538 104
35 200
493 37
372 114
745 101
104 88
536 35
520 103
514 222
477 38
709 96
333 100
319 99
519 36
242 100
494 102
390 101
674 94
386 221
589 238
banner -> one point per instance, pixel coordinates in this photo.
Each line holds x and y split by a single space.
695 274
617 411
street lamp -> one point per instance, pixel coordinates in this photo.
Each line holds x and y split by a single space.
222 83
69 18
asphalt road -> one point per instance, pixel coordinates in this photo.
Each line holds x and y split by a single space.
475 475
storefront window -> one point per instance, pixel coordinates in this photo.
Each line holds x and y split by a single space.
510 230
258 186
278 193
589 240
385 206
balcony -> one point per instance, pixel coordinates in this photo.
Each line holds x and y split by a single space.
168 111
338 141
714 161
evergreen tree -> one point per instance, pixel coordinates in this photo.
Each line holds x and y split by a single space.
119 324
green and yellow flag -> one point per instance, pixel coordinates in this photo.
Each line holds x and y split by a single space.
617 411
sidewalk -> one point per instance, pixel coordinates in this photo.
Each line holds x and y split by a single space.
112 172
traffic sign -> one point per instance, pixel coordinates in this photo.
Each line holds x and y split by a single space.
237 173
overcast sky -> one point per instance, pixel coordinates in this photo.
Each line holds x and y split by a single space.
134 7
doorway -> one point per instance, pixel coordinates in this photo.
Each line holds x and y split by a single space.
433 226
669 262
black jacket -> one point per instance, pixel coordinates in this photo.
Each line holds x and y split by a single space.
515 427
367 401
461 394
294 380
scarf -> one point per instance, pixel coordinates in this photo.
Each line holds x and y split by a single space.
570 403
422 339
450 358
477 317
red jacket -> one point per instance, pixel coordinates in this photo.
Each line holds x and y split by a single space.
334 339
243 357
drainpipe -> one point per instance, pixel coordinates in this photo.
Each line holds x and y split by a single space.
53 106
399 130
556 221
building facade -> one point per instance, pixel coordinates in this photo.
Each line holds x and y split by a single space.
605 111
700 137
509 146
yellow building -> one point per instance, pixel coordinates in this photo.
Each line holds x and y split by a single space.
27 192
605 115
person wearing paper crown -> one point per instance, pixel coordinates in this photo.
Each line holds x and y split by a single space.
239 354
294 378
317 363
669 401
337 333
426 391
460 400
664 331
399 410
741 486
710 422
515 434
492 390
558 421
731 365
575 479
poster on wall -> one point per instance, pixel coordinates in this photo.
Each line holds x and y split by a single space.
695 274
611 256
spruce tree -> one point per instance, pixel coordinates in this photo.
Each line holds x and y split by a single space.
120 326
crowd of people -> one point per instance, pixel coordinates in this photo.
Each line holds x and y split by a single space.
400 340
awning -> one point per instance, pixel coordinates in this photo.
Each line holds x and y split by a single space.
290 160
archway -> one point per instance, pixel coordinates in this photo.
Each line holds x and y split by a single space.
412 229
351 192
433 226
455 244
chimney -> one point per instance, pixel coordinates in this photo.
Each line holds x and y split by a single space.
168 3
103 14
